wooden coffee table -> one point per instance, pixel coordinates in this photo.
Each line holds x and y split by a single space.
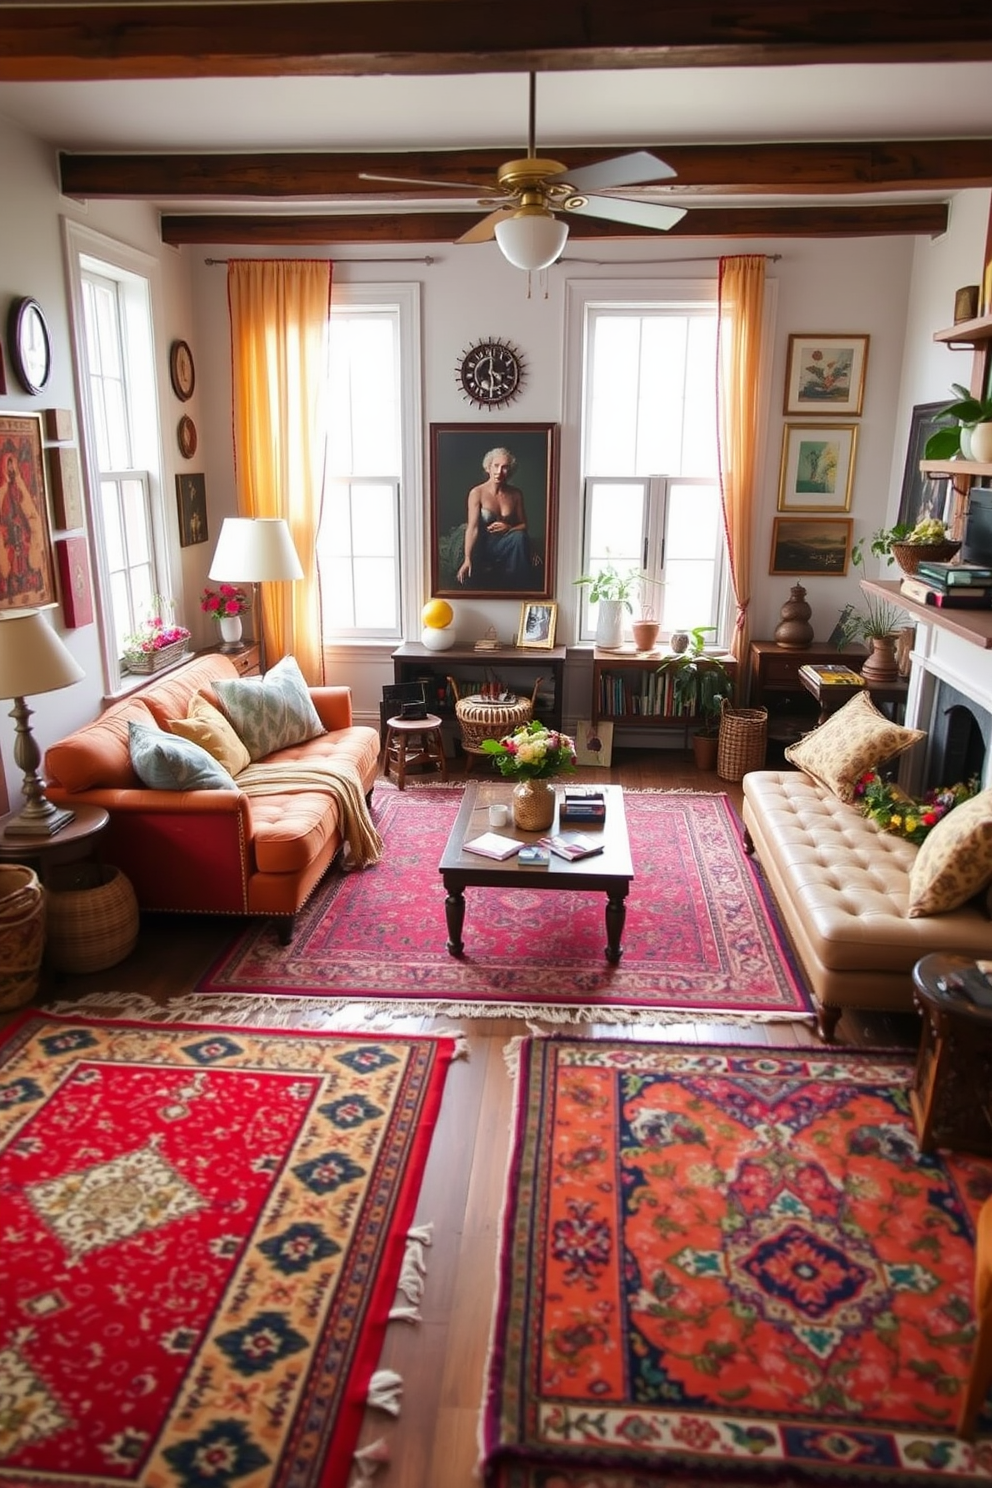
609 872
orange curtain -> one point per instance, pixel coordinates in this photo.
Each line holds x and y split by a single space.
738 363
280 320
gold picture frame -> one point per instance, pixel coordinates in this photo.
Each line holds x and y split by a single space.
27 564
817 471
825 374
538 619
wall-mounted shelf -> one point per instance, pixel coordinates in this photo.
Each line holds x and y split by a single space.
972 625
951 468
966 332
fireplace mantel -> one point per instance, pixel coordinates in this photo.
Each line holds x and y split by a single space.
973 625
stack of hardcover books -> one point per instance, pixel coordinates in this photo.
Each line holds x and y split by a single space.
951 586
583 803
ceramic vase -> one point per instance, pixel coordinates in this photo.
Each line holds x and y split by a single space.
230 629
981 443
609 624
533 805
794 631
882 666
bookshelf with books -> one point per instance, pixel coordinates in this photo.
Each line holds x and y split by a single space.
518 668
629 689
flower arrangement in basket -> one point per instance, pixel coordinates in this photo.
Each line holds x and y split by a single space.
896 812
157 643
224 602
532 752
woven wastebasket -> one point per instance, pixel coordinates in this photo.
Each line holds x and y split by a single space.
482 718
22 934
743 741
92 917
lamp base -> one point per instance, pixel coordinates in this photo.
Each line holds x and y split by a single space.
39 824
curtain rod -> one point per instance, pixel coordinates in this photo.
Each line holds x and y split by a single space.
619 263
428 260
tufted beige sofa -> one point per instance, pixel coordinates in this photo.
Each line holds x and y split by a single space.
842 886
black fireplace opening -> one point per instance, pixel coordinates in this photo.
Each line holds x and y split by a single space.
958 738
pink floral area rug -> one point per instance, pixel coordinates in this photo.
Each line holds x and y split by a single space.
702 935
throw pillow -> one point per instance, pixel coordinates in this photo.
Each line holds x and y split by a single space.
206 725
271 712
850 742
954 861
164 762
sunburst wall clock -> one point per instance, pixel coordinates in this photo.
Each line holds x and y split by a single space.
490 373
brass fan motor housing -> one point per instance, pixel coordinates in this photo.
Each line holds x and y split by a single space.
524 175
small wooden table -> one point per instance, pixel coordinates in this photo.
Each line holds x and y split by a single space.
833 695
952 1082
76 839
609 872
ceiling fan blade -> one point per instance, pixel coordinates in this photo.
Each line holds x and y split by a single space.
635 169
483 231
475 189
618 209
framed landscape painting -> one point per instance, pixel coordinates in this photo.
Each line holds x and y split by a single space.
493 510
811 545
817 471
825 374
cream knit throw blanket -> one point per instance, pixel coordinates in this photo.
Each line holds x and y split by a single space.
339 779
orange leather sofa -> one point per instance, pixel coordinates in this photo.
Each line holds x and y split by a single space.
211 851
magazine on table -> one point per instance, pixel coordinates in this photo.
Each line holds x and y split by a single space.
571 845
492 845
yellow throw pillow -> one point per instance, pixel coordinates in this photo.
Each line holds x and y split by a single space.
955 859
851 741
206 725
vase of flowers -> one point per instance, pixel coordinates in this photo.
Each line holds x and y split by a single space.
226 604
531 756
158 642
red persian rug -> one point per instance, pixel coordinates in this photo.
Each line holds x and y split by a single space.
702 934
203 1230
732 1267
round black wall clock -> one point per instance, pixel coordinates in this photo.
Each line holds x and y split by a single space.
490 373
30 344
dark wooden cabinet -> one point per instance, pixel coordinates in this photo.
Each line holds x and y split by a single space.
774 684
246 660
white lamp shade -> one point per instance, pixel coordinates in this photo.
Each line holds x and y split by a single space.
256 550
32 658
531 238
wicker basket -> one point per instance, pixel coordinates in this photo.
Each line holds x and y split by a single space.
22 934
909 556
92 917
484 718
743 741
145 662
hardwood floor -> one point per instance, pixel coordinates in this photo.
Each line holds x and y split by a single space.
433 1444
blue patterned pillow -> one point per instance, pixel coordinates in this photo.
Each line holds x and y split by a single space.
271 712
165 762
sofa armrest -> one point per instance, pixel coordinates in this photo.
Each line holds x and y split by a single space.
333 706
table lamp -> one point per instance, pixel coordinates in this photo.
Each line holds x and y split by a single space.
33 659
255 550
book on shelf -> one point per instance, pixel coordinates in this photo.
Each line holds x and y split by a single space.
533 855
839 676
571 845
492 845
955 575
582 812
583 793
968 597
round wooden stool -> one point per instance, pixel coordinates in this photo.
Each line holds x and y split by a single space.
414 742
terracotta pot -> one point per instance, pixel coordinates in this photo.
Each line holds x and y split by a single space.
645 634
705 748
533 805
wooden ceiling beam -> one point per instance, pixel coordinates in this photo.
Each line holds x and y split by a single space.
51 43
929 219
845 167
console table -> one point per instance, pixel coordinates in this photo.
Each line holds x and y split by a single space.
775 683
515 665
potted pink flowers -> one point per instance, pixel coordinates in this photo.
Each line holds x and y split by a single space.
226 604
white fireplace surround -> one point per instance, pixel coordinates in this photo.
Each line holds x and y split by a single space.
941 655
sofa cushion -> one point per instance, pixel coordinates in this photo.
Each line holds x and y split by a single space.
855 739
165 762
206 725
955 859
271 712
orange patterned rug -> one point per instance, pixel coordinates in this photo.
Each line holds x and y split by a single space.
733 1267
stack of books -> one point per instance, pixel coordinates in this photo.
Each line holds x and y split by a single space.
583 803
950 586
839 676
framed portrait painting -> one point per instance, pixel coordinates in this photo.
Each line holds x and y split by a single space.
825 374
817 471
191 493
27 573
493 510
920 496
811 545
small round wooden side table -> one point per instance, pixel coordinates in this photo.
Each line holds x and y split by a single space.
414 742
951 1094
77 839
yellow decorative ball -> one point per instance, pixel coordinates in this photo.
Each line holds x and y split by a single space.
436 614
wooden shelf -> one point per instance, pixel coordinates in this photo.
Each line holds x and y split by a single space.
973 625
627 660
952 468
966 332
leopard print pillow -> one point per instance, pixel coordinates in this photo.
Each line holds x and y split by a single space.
955 859
855 739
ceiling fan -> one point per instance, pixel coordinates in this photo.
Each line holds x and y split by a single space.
528 193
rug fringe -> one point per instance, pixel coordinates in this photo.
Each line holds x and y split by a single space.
385 1390
511 1054
368 1460
412 1274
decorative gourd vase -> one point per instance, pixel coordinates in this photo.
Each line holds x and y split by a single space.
882 664
230 631
609 624
679 641
533 805
981 443
794 632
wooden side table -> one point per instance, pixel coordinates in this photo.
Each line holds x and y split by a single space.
833 695
77 839
414 742
952 1082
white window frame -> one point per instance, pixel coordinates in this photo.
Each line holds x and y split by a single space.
140 276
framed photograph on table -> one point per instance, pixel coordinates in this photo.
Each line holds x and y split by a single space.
817 470
537 625
493 510
811 546
27 573
922 497
825 374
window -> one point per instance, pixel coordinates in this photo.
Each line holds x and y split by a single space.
649 455
112 311
371 523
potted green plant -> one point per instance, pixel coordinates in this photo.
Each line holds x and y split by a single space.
908 546
700 683
879 625
611 591
969 413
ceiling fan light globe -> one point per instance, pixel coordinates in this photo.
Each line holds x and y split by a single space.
531 238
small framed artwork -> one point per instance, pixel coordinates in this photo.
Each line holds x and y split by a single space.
922 497
811 546
537 625
27 569
181 370
191 493
186 437
74 576
66 485
825 374
593 742
58 424
817 472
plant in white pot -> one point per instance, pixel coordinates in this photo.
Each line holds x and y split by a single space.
611 592
971 433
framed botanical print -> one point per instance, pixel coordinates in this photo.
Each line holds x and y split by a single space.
811 545
27 574
825 374
817 470
493 510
